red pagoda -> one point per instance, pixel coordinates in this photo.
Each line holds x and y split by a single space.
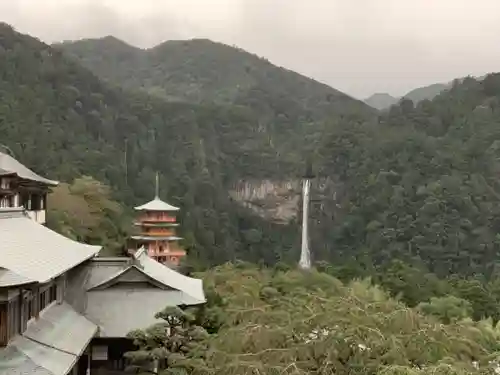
157 222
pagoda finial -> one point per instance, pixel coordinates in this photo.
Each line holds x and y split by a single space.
157 188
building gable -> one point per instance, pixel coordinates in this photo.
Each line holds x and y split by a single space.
130 277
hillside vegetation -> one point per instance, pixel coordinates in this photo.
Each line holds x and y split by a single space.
422 185
200 70
274 321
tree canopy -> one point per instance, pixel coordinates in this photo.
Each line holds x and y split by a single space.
278 321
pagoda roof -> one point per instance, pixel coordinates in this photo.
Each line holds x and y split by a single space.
34 252
9 165
156 205
156 238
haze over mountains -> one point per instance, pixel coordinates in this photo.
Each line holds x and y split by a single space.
383 101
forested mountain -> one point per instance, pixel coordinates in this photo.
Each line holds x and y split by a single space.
427 92
64 122
200 70
421 185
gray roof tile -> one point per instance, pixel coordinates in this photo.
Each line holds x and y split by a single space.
60 326
50 346
9 278
36 252
120 308
188 285
117 311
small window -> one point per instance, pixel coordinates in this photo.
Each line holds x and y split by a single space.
30 313
42 301
52 293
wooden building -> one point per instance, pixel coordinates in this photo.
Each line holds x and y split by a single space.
157 223
21 187
63 309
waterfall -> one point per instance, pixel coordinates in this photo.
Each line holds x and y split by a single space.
305 252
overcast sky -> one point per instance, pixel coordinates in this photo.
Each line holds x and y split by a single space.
357 46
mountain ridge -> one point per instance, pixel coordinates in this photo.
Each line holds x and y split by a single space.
239 62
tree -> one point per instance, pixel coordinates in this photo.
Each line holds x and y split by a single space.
172 346
298 322
447 309
85 211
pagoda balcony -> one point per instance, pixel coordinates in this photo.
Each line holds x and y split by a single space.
154 220
155 238
159 224
39 216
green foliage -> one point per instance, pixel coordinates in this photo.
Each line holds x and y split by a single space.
85 211
172 346
420 185
310 323
447 309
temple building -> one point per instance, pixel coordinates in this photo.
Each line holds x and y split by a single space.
21 187
156 223
63 309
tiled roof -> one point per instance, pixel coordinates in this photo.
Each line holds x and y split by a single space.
9 164
35 252
9 278
156 205
51 345
158 272
61 327
175 280
119 311
105 303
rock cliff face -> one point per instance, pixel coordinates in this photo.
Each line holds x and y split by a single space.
280 200
277 201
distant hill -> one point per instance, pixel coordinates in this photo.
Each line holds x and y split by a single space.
381 101
427 92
